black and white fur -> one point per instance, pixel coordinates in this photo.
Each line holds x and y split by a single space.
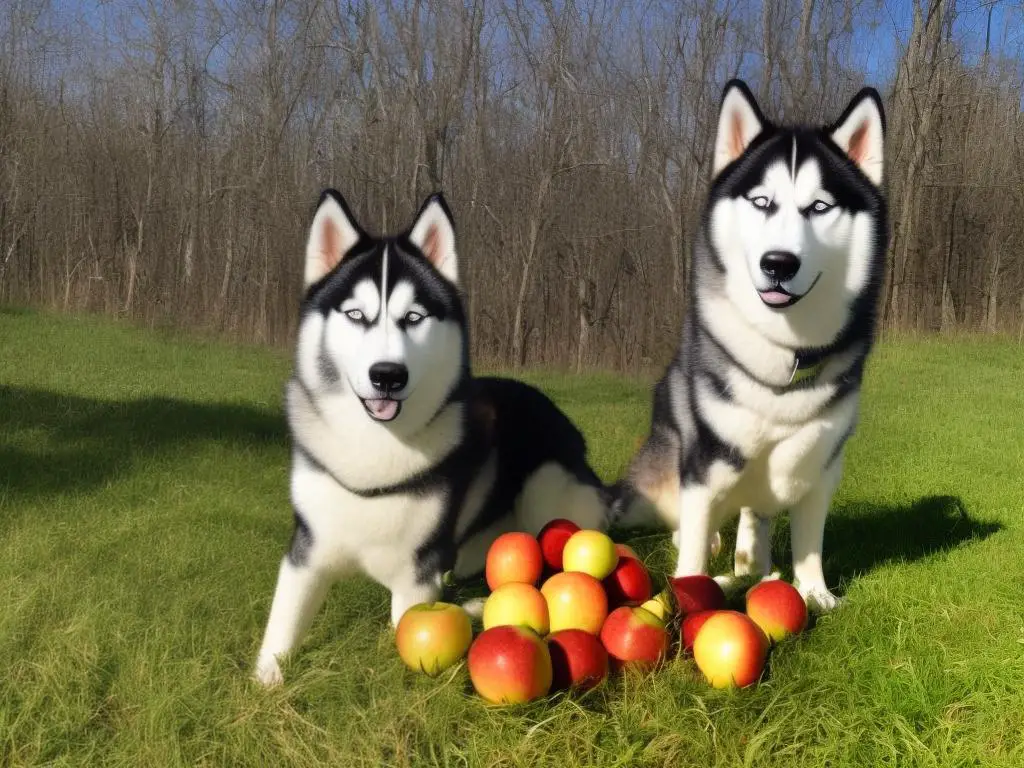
404 465
752 414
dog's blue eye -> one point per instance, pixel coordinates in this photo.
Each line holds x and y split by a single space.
760 201
354 314
820 206
413 317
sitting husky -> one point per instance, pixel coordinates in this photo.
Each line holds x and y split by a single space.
752 414
404 465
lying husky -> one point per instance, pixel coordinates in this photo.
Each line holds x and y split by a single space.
404 465
752 414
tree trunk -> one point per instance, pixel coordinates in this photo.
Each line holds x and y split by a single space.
803 49
916 80
229 260
768 51
518 335
992 308
584 332
518 347
947 309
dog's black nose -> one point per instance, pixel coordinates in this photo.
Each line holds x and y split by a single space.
389 377
780 266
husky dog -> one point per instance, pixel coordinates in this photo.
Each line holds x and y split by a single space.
752 414
404 465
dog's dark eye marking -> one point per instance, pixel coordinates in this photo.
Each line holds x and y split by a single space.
413 318
358 316
819 207
762 203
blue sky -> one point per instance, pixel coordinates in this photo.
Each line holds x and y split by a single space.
877 53
882 47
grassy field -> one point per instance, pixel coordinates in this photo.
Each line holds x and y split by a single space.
143 511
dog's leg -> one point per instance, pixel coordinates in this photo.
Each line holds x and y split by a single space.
410 590
753 545
472 558
696 529
753 555
552 491
299 594
807 520
716 541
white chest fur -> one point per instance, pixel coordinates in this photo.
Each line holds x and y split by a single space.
786 437
786 440
378 535
361 453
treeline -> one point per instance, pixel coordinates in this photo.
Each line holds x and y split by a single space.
159 159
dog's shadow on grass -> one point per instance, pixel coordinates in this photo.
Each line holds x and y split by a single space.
862 536
57 443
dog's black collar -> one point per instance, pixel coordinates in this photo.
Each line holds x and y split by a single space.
806 367
418 484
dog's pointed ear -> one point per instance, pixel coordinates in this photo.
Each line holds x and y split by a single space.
739 123
434 234
860 133
331 236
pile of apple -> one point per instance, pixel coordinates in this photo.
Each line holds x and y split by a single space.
592 614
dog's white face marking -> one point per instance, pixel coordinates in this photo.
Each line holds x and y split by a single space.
795 259
372 327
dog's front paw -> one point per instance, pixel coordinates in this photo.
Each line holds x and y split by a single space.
268 672
407 598
818 598
725 580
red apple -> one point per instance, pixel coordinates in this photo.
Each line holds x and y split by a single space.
513 557
634 636
575 601
697 593
433 636
577 660
777 608
552 538
590 551
628 583
625 550
509 665
691 626
516 604
730 650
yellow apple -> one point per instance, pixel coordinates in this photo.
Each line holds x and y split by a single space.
517 605
590 552
433 636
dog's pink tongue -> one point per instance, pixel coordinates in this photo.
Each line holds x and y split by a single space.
383 409
774 297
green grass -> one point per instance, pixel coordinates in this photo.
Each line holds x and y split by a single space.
143 511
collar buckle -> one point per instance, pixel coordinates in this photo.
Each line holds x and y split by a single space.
805 369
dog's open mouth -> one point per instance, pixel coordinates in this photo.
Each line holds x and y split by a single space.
383 409
778 297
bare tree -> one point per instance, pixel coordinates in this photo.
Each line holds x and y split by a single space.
161 161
